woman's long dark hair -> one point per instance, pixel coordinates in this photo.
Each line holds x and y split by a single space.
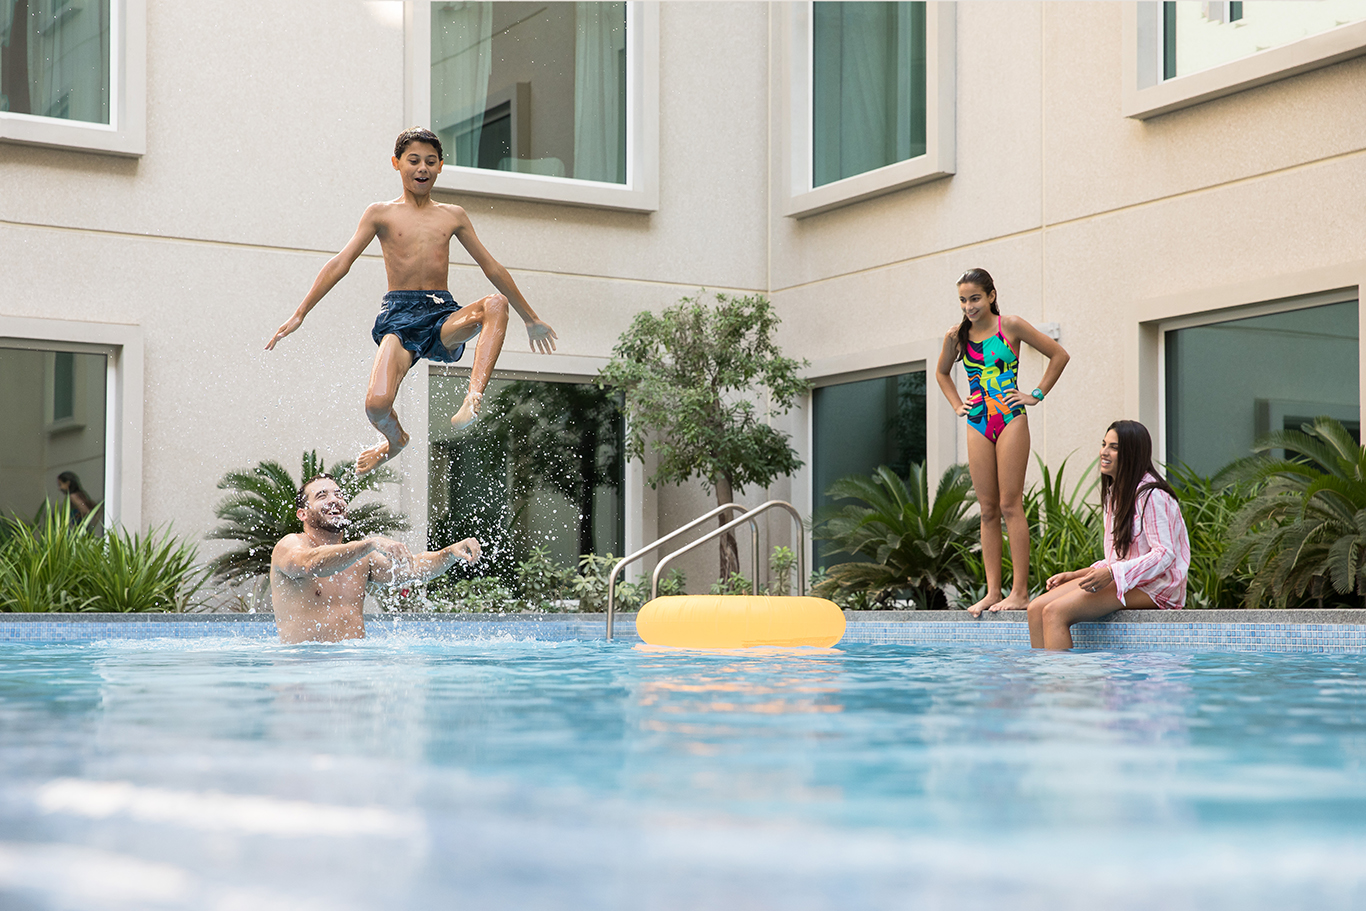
1121 493
982 279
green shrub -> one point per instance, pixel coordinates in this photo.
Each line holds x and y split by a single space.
55 565
1209 509
1302 536
1065 530
541 581
737 584
907 540
781 562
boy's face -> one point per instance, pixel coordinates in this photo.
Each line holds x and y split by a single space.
418 165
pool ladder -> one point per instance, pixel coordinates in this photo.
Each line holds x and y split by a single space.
747 515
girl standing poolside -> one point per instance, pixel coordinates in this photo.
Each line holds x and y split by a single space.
1147 552
998 431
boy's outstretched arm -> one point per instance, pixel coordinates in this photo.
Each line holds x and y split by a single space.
331 273
538 331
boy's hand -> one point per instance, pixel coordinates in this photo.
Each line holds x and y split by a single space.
542 337
294 322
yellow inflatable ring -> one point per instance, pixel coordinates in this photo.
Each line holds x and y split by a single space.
739 621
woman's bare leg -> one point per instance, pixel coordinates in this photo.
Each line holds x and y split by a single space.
1012 457
982 468
1074 604
392 361
486 318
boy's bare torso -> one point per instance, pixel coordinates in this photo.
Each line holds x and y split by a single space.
416 241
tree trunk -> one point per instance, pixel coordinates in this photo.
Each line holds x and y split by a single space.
730 551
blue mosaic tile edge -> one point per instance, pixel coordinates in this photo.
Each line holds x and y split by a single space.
1109 636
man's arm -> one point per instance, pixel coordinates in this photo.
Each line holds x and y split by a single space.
538 331
294 559
425 567
332 272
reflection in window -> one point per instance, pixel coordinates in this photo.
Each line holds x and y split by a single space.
54 58
1197 36
537 88
542 467
53 414
1228 383
857 427
868 87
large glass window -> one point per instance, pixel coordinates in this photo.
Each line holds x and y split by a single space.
53 415
542 467
54 58
868 87
1230 382
859 426
536 88
1198 36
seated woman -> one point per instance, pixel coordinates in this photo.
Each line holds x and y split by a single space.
1147 551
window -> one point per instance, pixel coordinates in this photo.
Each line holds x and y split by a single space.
1229 382
552 101
53 412
1187 52
859 426
869 89
543 467
72 73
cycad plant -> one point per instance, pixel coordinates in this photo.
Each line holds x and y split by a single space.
908 540
259 510
1303 536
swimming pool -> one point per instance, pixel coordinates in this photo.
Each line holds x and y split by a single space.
491 770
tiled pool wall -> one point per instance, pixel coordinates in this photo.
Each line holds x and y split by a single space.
1260 631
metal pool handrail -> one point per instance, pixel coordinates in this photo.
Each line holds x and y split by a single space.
651 548
745 517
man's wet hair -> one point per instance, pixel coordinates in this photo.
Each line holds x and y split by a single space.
417 134
300 499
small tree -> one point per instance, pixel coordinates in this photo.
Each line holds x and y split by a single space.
690 377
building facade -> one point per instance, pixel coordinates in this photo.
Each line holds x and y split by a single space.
1176 191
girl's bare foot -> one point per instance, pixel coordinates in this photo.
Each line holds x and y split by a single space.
1011 602
376 456
985 604
468 411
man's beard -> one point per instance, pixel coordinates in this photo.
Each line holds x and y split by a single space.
333 522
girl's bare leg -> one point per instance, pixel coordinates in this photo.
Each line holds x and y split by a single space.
486 318
1012 457
1073 604
982 468
392 361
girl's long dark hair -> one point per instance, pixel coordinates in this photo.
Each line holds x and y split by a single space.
1120 494
982 279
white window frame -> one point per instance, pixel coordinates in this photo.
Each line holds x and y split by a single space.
640 193
123 391
1145 94
126 131
799 199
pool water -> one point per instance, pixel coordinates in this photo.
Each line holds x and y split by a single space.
411 773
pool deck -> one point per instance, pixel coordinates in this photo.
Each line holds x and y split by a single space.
1129 630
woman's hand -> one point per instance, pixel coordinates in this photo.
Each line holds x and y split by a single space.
1016 397
1054 581
1095 578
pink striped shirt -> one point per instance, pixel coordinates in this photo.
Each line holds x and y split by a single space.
1159 553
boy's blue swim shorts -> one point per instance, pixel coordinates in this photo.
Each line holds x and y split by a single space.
416 318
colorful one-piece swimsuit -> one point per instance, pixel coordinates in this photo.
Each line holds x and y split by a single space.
991 365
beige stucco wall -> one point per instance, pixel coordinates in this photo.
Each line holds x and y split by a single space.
269 128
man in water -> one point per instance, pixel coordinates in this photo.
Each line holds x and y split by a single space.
318 581
418 317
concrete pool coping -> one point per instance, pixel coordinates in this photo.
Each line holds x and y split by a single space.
1342 630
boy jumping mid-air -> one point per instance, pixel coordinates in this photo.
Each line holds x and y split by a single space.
418 317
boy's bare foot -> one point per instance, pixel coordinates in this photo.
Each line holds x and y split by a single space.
468 411
1010 602
376 456
985 604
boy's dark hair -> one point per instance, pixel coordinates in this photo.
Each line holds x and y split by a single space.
300 500
417 134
